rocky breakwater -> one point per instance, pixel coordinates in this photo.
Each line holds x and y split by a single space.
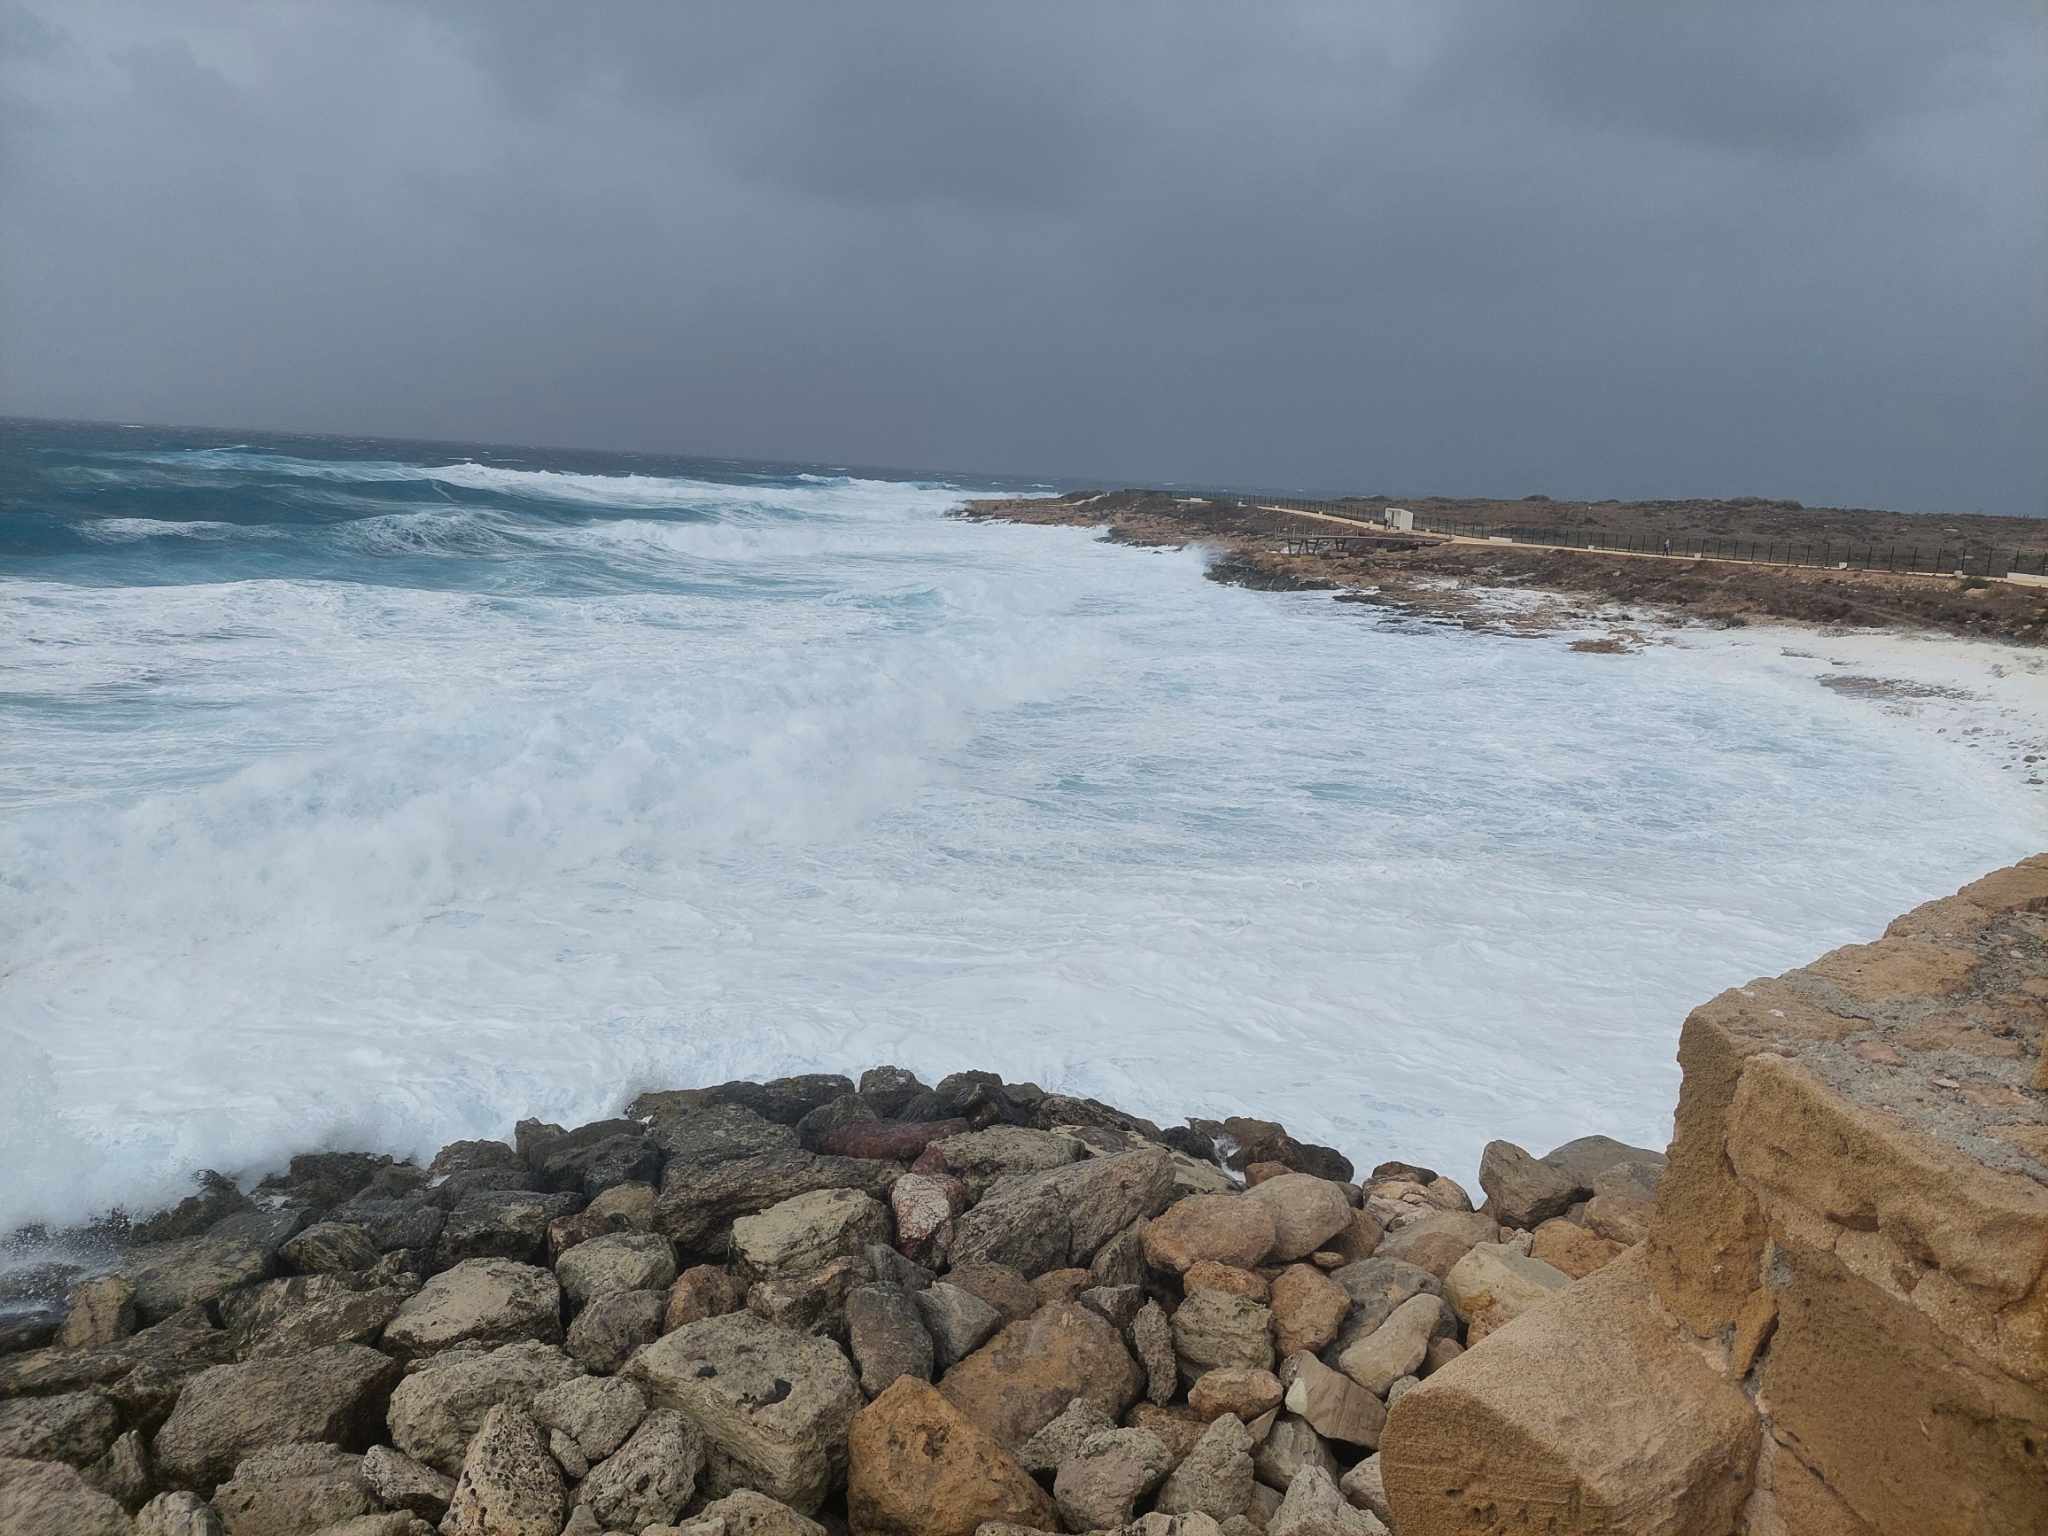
787 1307
1837 1322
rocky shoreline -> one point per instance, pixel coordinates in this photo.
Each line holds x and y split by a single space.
795 1306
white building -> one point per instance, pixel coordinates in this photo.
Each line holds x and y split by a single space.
1399 517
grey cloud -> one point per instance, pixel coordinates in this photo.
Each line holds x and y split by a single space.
1585 248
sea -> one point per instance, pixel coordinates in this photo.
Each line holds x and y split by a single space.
372 794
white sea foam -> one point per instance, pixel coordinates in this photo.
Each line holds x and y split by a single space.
370 865
127 530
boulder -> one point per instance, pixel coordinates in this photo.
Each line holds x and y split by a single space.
479 1302
958 1321
594 1158
1208 1275
1121 1260
290 1316
1314 1507
1228 1229
1243 1141
1242 1390
597 1413
1001 1286
813 1302
182 1513
510 1485
893 1140
237 1251
330 1247
1062 1436
1307 1212
413 1224
1100 1484
460 1156
620 1261
1585 1159
1664 1445
74 1427
744 1513
1621 1219
1290 1444
1152 1342
1365 1487
1572 1249
501 1224
285 1490
803 1234
701 1291
1116 1305
697 1140
1493 1285
773 1404
886 1337
100 1311
1308 1308
1520 1191
1376 1287
889 1088
1214 1328
649 1479
1177 1428
920 1467
399 1482
1020 1380
1215 1478
334 1394
979 1158
606 1332
1060 1217
698 1206
1059 1285
123 1472
437 1410
1394 1349
48 1498
923 1206
1332 1404
1438 1240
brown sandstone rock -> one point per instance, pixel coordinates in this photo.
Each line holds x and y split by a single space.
101 1310
1308 1309
701 1291
336 1394
478 1302
917 1466
1572 1249
436 1411
1307 1212
1225 1229
1099 1486
1331 1403
284 1489
1031 1370
1437 1241
803 1234
1060 1285
1520 1191
1493 1285
1000 1285
1213 1328
1208 1275
47 1498
1216 1477
1664 1447
1242 1390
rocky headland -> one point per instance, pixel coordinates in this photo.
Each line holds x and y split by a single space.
977 1308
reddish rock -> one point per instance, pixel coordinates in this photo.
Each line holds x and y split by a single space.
1211 1276
1308 1309
1061 1285
919 1467
701 1291
1021 1379
894 1140
1258 1173
1226 1229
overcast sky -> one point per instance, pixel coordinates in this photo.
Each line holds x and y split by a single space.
1785 247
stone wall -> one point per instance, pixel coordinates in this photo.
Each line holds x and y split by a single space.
1839 1322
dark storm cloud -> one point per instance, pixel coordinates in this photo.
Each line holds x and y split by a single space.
1590 248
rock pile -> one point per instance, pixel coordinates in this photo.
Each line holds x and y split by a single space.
768 1309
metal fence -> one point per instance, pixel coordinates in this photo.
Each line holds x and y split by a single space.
1928 559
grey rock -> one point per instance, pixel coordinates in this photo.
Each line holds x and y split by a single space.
1314 1507
1290 1445
1063 1436
958 1321
337 1394
1100 1484
619 1261
888 1089
48 1498
100 1310
330 1247
886 1337
568 1456
400 1482
124 1471
598 1413
808 1231
74 1427
1217 1328
288 1490
1520 1191
698 1207
1376 1286
774 1405
510 1485
811 1303
1585 1159
1394 1349
847 1109
606 1332
1061 1217
594 1158
437 1410
479 1302
1120 1261
182 1513
237 1251
651 1477
413 1223
1151 1338
979 1158
460 1156
892 1268
501 1224
1216 1477
1366 1487
302 1312
747 1513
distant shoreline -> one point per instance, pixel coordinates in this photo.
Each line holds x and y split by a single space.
1446 581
